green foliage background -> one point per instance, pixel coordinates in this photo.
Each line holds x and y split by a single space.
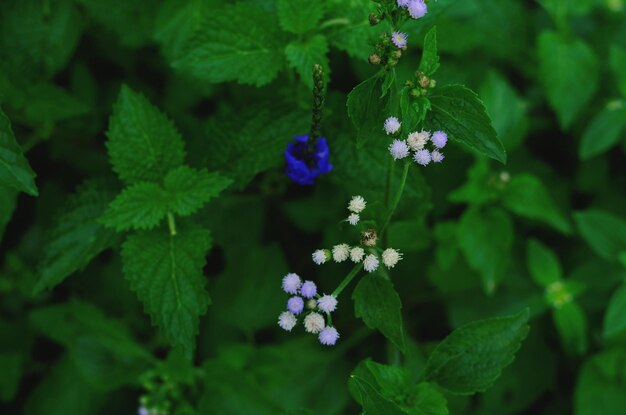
146 220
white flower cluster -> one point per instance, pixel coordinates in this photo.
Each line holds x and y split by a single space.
341 252
356 206
417 142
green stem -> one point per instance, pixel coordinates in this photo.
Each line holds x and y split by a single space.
396 200
339 21
347 280
390 167
171 223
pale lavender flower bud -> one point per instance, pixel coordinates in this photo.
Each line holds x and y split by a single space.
295 305
370 263
291 283
422 157
399 39
321 256
327 303
417 8
353 219
392 125
314 323
287 321
329 336
308 289
403 3
399 149
437 156
439 139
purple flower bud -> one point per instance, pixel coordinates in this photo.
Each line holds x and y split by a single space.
329 336
399 39
399 149
295 305
403 3
327 303
422 157
291 283
436 156
417 8
308 289
439 139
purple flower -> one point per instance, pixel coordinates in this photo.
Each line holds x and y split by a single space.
307 160
437 156
422 157
403 3
399 39
308 289
439 139
399 149
295 305
329 336
327 303
143 411
291 283
417 8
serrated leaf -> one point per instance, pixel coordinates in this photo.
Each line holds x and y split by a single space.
354 34
371 400
413 110
527 196
15 171
430 57
378 304
603 231
302 55
486 239
543 264
571 324
77 237
615 315
143 143
140 206
299 16
166 273
605 130
471 358
459 112
569 71
223 52
189 189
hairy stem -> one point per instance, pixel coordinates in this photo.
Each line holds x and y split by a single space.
397 198
348 279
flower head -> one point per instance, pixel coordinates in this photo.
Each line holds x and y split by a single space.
287 321
306 161
295 305
422 157
341 252
437 156
403 3
356 254
370 263
391 257
291 283
327 303
417 141
353 219
399 149
392 125
399 39
329 336
357 204
314 323
320 256
308 289
439 139
417 8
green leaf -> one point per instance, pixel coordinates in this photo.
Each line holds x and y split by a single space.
481 187
102 349
527 196
413 110
615 316
428 401
569 71
605 130
430 57
372 401
15 171
222 52
143 143
11 369
601 383
299 16
302 55
617 61
604 232
189 189
377 303
354 34
486 239
77 237
166 273
140 206
571 324
471 358
461 114
543 264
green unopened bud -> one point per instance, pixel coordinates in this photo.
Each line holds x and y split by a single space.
396 54
409 84
374 59
392 62
374 19
415 92
432 84
424 81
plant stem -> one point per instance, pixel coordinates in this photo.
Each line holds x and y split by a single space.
347 280
390 167
171 223
397 198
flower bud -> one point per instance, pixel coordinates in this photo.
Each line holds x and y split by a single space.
374 19
374 59
396 54
369 237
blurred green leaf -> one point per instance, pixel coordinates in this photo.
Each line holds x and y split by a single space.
543 264
571 324
11 368
430 57
603 231
604 131
302 55
617 60
615 315
15 171
299 16
601 383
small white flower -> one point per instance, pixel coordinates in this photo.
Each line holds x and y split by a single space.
357 204
392 125
314 323
341 252
353 219
370 263
391 257
327 303
356 254
287 321
417 141
320 256
398 149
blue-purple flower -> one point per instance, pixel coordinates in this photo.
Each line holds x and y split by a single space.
306 160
